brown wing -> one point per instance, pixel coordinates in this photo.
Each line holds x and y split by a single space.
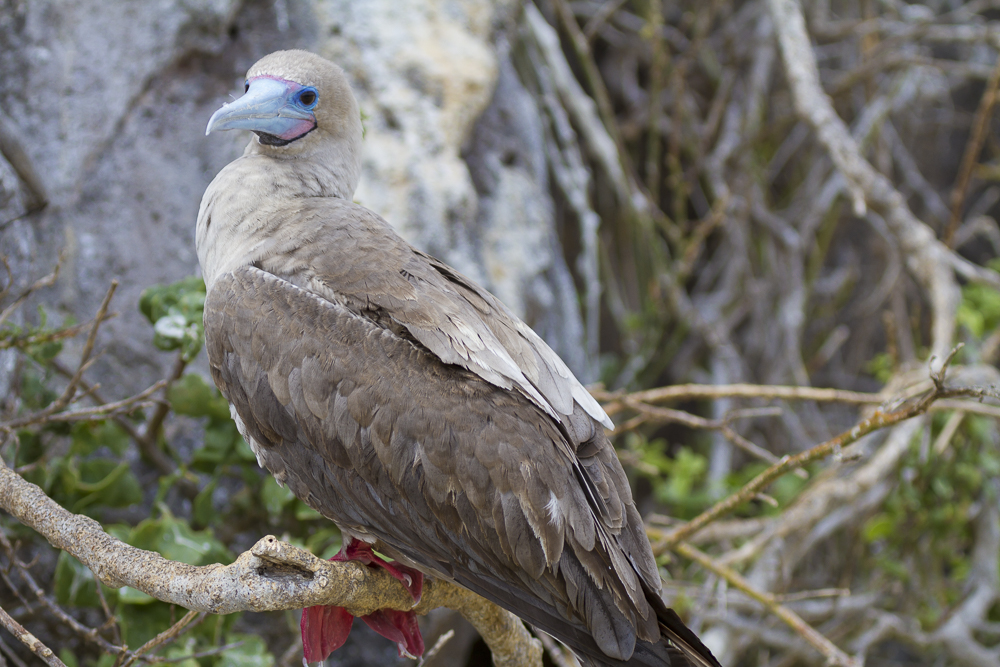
352 255
463 478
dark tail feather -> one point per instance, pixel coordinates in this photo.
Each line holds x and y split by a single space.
685 649
678 647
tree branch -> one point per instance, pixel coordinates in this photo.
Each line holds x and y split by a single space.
273 575
833 655
879 419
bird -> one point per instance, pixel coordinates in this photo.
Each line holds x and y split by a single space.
403 401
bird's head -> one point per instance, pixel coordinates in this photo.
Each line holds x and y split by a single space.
295 102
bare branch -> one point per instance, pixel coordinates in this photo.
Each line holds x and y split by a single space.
829 650
89 634
123 406
879 419
972 149
29 640
614 402
46 281
188 621
10 147
927 258
273 575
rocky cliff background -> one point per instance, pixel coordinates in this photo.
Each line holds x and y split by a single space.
765 198
109 102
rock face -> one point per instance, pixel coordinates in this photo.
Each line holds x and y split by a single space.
109 103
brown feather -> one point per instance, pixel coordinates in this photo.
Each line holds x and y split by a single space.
407 404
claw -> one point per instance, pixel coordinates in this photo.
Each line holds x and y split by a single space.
325 628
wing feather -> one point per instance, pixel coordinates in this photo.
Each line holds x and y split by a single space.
462 478
444 311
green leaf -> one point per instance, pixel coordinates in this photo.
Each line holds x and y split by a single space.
29 447
156 301
194 397
176 312
45 352
252 652
878 527
202 509
325 542
68 658
223 444
176 540
35 391
129 595
305 513
274 496
686 469
176 651
74 583
141 622
881 367
90 436
103 482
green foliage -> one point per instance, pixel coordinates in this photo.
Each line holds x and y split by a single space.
193 397
922 535
86 466
979 310
176 313
251 652
38 341
677 477
174 539
881 366
679 481
90 476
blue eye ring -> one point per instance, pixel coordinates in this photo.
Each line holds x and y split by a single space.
307 97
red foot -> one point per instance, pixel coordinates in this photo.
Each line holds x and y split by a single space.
325 628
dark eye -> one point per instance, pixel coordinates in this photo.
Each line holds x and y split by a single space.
308 97
246 86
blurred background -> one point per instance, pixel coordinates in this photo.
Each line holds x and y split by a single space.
641 183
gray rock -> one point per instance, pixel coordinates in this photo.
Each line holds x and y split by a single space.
111 100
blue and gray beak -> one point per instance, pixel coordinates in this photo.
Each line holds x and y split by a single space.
279 111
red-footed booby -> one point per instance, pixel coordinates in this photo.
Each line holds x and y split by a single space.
406 403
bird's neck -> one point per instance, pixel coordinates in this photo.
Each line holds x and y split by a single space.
329 168
248 212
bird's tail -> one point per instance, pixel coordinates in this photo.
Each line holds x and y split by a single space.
684 647
678 647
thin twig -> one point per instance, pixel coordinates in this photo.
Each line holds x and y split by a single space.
811 595
723 425
93 393
9 652
10 278
46 281
972 150
192 618
148 440
89 634
29 640
85 414
614 402
10 147
557 653
434 650
878 420
70 392
829 650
